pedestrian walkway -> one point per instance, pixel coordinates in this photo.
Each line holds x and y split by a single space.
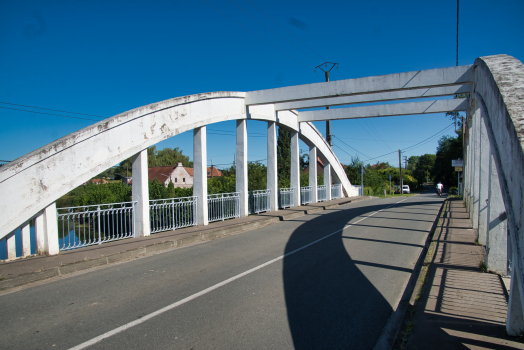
460 307
35 268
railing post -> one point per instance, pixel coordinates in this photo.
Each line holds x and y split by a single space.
484 160
200 174
327 180
99 227
241 166
272 173
141 194
313 173
496 224
295 167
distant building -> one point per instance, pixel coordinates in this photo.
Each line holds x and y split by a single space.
179 175
98 181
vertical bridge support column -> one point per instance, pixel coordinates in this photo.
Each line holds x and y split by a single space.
476 168
496 224
295 168
241 171
515 318
327 180
46 231
200 173
272 174
141 194
313 173
484 158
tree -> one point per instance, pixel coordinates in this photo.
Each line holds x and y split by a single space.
352 170
284 158
449 148
257 176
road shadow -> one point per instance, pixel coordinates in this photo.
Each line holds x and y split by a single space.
330 303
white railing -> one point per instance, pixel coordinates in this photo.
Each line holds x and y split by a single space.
336 191
172 213
259 201
321 193
359 189
286 198
95 224
223 206
305 195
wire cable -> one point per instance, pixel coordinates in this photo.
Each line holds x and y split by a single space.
351 147
54 110
56 115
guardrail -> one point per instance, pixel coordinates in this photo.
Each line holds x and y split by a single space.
172 213
95 224
336 191
305 194
286 198
321 193
223 206
259 201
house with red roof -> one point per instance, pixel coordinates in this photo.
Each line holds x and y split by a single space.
179 175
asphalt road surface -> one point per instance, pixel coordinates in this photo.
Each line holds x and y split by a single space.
322 281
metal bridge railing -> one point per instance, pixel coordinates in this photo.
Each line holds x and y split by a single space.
95 224
336 191
223 206
172 213
322 193
286 198
305 195
259 201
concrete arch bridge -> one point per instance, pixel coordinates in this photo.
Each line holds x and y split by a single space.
493 158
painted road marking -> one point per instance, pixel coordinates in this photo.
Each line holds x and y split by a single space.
212 288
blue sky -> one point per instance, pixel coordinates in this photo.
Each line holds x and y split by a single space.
105 57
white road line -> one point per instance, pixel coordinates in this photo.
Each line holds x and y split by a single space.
212 288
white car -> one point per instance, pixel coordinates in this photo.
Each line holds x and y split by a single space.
405 189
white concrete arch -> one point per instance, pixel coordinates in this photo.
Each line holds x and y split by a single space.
33 182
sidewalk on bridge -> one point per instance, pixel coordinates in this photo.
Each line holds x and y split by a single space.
459 307
36 268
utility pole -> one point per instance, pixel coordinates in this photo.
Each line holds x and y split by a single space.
324 67
211 168
362 177
400 170
405 162
457 61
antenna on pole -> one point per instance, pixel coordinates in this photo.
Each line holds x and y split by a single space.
326 67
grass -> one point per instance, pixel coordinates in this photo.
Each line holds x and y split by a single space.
483 267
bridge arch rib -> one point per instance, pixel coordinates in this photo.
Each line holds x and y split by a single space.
39 178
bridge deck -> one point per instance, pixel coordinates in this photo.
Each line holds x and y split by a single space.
23 271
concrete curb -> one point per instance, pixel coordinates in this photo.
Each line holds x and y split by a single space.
156 248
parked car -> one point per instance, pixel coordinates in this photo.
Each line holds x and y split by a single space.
405 189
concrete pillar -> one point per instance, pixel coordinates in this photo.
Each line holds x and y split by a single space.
295 167
515 317
476 169
327 180
51 230
200 173
10 246
40 234
26 239
496 223
272 172
141 194
484 158
241 164
313 173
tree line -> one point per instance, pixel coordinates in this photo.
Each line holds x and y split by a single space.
427 167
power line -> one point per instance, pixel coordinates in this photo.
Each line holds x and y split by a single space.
410 147
319 55
305 53
229 131
294 59
49 109
344 151
56 115
352 147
